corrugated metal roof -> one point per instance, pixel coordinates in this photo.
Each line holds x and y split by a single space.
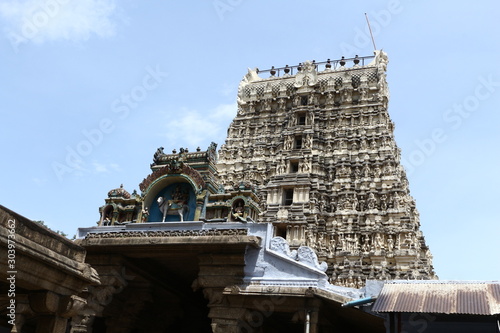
446 298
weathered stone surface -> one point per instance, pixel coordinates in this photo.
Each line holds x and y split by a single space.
49 273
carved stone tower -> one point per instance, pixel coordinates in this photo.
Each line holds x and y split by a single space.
317 143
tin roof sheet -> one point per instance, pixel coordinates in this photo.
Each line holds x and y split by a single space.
446 298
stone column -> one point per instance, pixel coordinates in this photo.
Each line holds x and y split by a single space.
200 201
113 280
227 319
216 273
312 308
23 312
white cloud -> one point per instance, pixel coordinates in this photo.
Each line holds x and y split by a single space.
104 168
39 181
100 168
203 127
50 20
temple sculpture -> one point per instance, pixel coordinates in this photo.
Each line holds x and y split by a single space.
311 151
183 186
318 143
302 221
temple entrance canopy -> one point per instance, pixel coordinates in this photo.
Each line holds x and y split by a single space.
183 186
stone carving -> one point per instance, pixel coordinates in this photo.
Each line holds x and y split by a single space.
390 243
251 76
307 256
281 168
281 104
371 202
307 76
356 194
288 143
172 169
308 141
176 206
282 214
305 166
304 254
280 245
238 211
165 233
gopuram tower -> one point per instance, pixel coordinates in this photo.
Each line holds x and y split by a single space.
317 144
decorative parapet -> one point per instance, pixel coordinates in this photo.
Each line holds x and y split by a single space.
280 245
304 254
167 233
307 256
322 66
160 158
334 76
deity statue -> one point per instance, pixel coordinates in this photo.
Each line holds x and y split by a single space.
288 143
281 104
354 202
310 118
371 202
357 172
329 98
383 202
310 239
296 100
366 245
145 214
332 243
390 243
238 212
309 141
366 171
267 105
378 242
396 201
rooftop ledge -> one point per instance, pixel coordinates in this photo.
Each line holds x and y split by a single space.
187 226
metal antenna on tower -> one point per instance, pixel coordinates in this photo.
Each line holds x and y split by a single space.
371 34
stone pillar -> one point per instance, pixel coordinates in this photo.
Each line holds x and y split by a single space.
95 298
216 273
23 312
227 319
313 321
312 308
200 201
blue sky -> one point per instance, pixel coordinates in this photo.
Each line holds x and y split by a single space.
91 88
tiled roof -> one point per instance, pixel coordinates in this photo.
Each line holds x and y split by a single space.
474 298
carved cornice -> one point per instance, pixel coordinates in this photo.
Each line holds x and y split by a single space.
168 233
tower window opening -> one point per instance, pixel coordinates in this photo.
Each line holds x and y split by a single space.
303 100
298 142
294 166
287 196
301 119
280 231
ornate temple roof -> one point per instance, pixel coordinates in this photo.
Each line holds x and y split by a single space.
119 193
